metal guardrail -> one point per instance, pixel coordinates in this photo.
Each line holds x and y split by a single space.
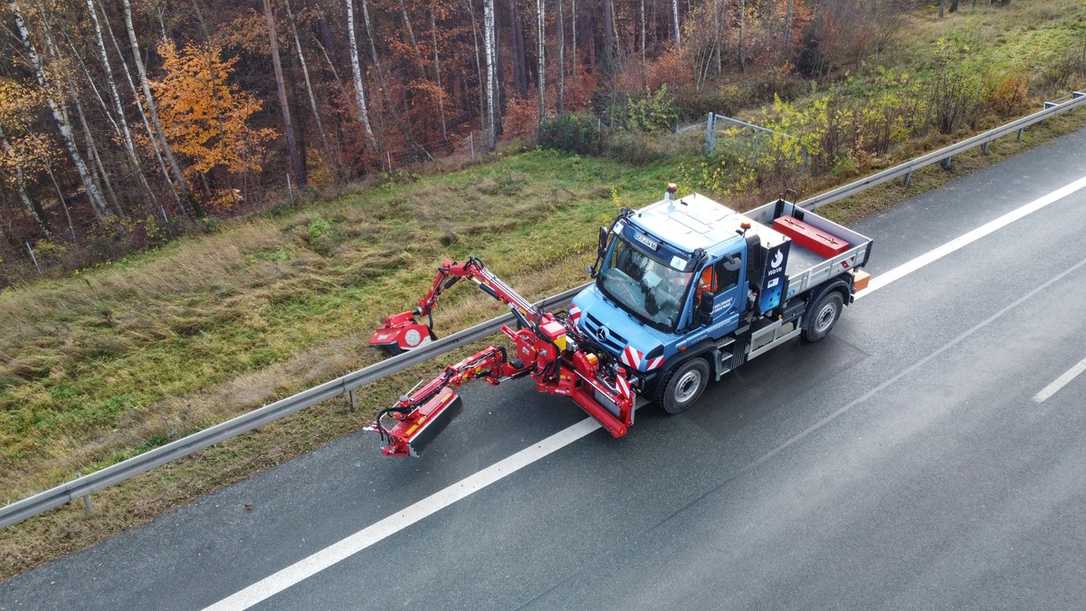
82 487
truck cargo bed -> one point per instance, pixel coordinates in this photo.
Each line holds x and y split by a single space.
805 268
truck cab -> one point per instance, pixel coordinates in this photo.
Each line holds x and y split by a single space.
687 289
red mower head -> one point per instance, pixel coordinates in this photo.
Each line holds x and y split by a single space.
400 333
408 434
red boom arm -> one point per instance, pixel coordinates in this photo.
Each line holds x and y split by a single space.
549 349
403 331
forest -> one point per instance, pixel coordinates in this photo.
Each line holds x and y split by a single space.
126 123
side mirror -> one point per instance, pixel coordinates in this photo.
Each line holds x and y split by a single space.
601 249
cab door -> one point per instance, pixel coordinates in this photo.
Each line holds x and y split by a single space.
720 294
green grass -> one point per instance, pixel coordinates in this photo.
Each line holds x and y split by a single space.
97 359
110 362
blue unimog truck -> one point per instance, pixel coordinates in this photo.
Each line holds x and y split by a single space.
688 289
685 290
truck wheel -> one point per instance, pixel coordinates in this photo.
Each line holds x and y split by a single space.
823 316
682 386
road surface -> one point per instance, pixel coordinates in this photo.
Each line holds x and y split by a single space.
930 453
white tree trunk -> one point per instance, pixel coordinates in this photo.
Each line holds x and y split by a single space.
491 74
541 30
675 21
151 137
101 210
129 145
148 96
561 103
359 88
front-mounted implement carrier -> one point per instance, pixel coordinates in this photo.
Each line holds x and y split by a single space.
547 347
685 291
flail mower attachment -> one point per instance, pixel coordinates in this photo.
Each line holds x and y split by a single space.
402 332
422 414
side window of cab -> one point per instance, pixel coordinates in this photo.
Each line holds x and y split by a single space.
727 273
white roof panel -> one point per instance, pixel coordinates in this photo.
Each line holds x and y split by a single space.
695 221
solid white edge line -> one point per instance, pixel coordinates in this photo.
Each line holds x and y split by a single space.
1060 382
374 533
378 531
964 240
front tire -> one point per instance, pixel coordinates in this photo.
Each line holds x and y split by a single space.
823 316
682 386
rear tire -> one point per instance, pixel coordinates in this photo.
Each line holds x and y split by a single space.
680 388
823 316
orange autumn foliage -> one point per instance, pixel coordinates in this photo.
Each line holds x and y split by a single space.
205 117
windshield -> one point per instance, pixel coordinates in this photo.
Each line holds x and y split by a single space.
643 285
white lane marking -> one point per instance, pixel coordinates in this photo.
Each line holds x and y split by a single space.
1060 382
320 560
964 240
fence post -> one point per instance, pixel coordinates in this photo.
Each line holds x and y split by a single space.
471 143
388 155
710 134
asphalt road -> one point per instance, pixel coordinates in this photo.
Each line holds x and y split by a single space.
901 463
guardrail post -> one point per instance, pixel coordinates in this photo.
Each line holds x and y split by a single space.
947 163
908 179
352 401
710 134
88 508
984 148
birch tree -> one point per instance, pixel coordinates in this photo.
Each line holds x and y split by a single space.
675 21
152 107
151 137
541 21
118 106
491 74
560 105
356 68
101 210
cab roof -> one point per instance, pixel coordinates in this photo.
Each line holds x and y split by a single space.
695 221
